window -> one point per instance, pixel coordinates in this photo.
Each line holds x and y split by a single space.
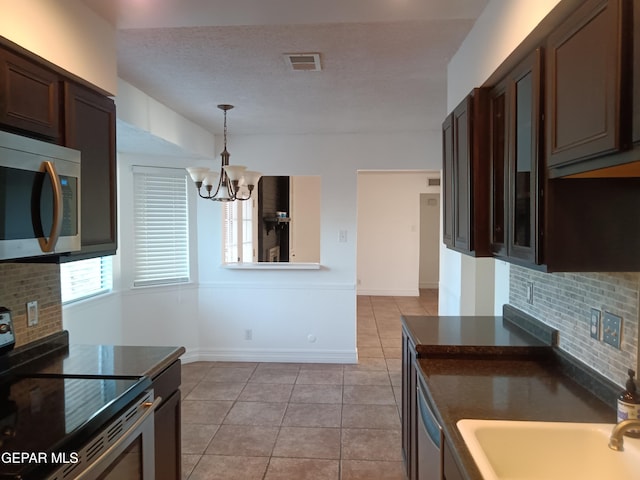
238 231
85 278
161 230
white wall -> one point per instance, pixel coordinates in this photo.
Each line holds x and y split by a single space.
293 315
297 315
388 247
84 45
96 321
467 285
501 27
146 115
145 316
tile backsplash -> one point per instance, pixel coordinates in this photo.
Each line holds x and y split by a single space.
24 282
565 300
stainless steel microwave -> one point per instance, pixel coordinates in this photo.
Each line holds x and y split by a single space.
39 198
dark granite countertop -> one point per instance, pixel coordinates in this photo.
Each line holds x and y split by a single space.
504 389
55 356
460 334
490 368
110 360
55 395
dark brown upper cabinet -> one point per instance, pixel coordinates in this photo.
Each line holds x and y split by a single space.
592 225
90 126
499 155
40 100
466 176
636 73
588 85
517 176
447 181
29 97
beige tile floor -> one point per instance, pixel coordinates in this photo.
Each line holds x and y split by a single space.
285 421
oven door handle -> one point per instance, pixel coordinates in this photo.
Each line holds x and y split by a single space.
150 406
56 226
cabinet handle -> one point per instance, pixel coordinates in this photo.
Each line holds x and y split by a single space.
48 245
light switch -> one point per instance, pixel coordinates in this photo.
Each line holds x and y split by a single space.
32 313
611 329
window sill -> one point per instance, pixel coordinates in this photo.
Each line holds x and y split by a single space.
271 266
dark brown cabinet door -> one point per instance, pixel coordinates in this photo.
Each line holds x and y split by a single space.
524 171
636 72
168 437
90 123
451 471
29 97
516 163
499 167
408 410
466 176
587 81
462 231
447 181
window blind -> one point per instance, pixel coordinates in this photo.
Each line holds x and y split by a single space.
230 232
160 226
85 278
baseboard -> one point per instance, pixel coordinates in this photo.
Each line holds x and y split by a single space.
280 356
429 285
389 293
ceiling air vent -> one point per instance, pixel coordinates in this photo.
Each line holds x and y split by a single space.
307 62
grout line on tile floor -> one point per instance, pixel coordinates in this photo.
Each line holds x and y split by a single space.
385 311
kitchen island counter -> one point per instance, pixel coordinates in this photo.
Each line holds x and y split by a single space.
522 376
53 359
109 360
503 388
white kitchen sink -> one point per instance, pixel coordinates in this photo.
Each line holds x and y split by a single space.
522 450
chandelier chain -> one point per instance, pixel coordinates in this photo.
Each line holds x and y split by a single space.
225 129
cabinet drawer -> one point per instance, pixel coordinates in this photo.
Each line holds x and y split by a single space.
168 381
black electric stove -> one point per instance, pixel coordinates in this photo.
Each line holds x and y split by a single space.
44 420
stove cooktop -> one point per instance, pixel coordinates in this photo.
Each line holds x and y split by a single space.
44 418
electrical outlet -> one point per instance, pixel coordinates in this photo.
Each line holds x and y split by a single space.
32 313
595 323
342 236
248 334
530 293
611 329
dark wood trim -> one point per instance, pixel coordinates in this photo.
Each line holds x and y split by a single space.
447 181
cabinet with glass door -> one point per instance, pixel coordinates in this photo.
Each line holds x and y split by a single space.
517 176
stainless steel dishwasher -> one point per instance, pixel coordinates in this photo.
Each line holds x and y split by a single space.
429 439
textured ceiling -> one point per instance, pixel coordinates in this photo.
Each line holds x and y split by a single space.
384 61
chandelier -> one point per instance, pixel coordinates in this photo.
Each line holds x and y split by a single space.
233 182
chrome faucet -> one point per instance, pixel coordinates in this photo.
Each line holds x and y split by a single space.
616 441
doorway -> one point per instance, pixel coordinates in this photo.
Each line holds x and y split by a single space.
429 273
389 229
